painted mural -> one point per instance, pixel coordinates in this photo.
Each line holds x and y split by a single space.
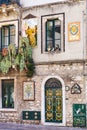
29 29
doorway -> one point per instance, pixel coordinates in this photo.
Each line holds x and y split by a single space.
53 101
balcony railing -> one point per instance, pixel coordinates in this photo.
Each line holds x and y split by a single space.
9 1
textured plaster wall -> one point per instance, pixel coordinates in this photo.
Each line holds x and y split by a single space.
73 13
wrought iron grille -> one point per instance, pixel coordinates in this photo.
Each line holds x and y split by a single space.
53 82
53 101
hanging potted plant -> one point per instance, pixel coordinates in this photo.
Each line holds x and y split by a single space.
22 60
5 65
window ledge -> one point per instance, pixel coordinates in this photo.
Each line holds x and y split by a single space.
52 52
8 109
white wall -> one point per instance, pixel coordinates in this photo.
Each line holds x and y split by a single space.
27 3
73 13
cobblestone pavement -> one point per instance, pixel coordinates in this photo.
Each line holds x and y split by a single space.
11 126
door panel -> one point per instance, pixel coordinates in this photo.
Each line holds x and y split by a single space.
53 104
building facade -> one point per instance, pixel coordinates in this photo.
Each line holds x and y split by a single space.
57 92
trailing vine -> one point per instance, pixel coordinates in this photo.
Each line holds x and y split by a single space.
20 59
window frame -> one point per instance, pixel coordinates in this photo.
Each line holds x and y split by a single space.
15 100
3 36
54 39
44 18
7 86
9 23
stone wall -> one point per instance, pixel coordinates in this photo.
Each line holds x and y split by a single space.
70 73
9 116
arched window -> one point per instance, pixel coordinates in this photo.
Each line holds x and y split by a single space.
53 82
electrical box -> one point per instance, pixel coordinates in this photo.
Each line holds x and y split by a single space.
31 115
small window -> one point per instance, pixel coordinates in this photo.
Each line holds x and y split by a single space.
7 35
53 35
7 93
52 39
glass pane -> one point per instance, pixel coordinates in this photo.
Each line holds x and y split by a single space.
58 44
57 29
12 39
5 97
57 22
57 32
49 30
5 31
11 96
49 45
5 35
12 30
4 42
8 93
49 25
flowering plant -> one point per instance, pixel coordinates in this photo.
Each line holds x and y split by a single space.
17 59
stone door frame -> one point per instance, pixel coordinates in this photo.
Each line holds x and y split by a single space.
43 102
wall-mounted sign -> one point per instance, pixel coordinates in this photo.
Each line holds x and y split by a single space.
76 89
74 31
29 90
79 115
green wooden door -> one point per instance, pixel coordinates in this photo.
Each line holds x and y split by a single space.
53 103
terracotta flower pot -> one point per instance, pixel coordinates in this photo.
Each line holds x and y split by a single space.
4 51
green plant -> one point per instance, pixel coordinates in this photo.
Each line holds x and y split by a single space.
5 65
22 59
30 67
